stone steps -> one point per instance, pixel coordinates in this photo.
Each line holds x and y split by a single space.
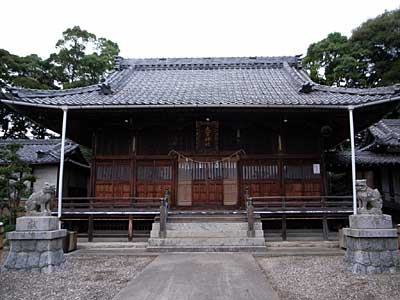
209 226
206 241
205 219
258 249
206 233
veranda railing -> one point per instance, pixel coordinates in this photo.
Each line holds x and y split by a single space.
91 206
303 207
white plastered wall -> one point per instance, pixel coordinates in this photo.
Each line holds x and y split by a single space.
43 174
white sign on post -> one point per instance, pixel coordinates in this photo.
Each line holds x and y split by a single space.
316 169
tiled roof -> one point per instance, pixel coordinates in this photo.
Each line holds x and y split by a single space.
386 133
383 150
41 151
246 81
363 158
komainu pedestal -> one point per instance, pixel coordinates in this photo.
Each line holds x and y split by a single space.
372 245
36 245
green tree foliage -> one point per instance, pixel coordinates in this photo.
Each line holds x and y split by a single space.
81 59
28 72
15 176
73 66
380 40
370 57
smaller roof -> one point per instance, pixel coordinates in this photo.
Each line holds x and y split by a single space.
383 150
386 133
37 152
363 158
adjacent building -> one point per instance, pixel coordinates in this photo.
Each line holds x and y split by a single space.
43 156
378 160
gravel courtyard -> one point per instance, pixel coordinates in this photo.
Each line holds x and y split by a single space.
84 277
300 278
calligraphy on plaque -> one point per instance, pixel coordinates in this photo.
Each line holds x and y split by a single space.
207 137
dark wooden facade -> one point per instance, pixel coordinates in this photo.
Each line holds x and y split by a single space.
207 160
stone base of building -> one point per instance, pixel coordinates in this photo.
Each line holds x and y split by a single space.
372 245
36 245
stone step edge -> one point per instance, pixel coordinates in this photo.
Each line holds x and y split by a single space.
258 249
244 224
303 244
207 234
117 245
217 230
207 238
299 252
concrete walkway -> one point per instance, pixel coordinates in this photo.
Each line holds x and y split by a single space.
198 276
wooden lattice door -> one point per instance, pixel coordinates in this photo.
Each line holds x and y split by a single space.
153 178
207 184
302 178
113 180
262 177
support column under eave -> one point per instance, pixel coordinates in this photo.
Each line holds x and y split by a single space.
353 160
61 169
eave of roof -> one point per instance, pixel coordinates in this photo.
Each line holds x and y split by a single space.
267 82
364 158
386 133
49 149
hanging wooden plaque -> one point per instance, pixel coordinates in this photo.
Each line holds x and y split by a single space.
207 137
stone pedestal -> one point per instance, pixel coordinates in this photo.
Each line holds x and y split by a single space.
36 245
398 233
372 245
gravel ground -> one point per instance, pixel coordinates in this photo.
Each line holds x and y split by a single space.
83 277
326 278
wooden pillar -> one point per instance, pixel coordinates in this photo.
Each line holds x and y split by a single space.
90 228
284 231
130 228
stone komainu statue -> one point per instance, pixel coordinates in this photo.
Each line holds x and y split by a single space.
369 200
38 203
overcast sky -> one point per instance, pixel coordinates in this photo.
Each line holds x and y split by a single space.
175 28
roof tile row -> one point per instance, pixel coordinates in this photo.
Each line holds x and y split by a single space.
265 81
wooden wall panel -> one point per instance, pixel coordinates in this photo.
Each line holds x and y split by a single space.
301 178
262 177
113 180
104 189
153 178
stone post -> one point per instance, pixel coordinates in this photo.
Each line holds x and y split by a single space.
36 245
163 219
250 218
1 235
372 245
